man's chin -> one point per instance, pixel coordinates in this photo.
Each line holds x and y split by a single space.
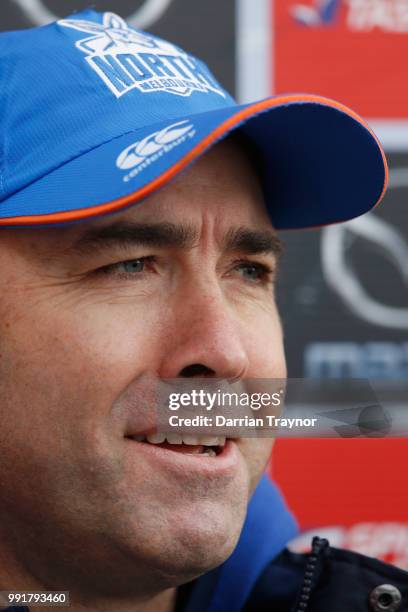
195 542
182 564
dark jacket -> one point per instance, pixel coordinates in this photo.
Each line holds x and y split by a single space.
329 580
326 580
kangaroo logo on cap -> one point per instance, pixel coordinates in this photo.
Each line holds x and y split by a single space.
127 59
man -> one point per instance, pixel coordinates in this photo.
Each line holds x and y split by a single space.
102 299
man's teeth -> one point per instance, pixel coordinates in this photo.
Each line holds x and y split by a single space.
159 438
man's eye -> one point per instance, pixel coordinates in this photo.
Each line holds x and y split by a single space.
255 272
127 269
132 266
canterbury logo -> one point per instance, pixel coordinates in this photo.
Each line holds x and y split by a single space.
142 153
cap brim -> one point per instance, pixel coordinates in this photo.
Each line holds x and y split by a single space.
320 163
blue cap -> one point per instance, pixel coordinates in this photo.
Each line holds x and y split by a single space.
96 115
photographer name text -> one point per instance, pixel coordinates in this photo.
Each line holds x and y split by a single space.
246 421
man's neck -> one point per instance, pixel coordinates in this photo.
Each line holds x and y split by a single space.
15 576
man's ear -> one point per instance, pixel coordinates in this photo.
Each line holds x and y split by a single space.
111 20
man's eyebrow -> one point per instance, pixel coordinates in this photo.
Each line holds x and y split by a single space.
254 242
128 234
134 234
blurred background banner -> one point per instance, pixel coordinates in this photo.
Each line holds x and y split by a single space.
342 290
345 49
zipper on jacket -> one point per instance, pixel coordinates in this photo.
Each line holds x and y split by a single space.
319 545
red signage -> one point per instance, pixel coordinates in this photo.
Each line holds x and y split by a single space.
352 50
354 491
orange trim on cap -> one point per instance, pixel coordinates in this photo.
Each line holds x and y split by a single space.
114 205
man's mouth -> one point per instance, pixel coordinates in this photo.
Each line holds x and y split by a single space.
209 446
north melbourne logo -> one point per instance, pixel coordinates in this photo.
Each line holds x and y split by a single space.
139 155
127 59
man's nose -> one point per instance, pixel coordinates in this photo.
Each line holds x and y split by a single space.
206 338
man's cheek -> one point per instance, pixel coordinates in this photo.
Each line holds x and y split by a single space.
46 379
256 452
100 339
61 375
115 335
267 358
53 415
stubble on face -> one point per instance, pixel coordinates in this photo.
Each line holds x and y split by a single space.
81 347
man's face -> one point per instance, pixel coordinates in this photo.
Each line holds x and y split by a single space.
84 337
